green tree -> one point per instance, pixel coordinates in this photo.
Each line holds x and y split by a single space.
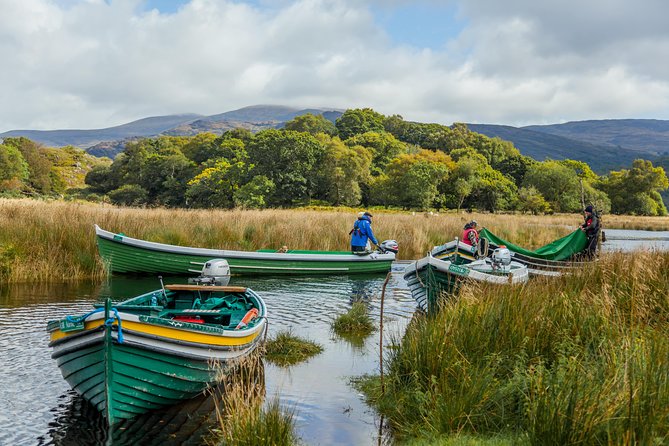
13 168
313 124
255 193
39 167
531 200
358 121
290 160
384 147
129 195
344 169
558 184
637 190
214 186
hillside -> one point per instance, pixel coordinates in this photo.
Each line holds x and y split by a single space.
86 138
646 136
542 145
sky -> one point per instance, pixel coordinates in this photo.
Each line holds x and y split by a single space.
98 63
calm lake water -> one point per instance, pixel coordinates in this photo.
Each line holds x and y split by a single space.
37 406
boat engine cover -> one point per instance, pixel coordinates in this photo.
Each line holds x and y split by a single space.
501 256
214 272
389 246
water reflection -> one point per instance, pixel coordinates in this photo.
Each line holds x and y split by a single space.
38 405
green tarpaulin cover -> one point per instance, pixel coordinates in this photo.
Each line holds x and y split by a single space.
560 249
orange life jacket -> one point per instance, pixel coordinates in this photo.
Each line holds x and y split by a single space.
465 236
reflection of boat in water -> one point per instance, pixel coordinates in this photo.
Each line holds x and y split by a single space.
430 278
158 348
187 423
129 255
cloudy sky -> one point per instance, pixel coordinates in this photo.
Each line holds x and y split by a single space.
96 63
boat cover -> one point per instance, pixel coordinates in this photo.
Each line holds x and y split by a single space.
560 249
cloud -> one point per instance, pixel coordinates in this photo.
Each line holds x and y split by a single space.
93 63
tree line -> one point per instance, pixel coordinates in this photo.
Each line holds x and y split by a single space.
364 158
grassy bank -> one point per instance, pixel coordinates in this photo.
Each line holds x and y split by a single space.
54 240
574 360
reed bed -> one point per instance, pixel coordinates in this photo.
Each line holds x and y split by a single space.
582 359
287 349
243 418
54 240
355 322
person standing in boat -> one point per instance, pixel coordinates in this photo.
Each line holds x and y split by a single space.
362 234
470 235
591 227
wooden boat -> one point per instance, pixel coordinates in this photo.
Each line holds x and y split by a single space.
124 254
156 349
431 279
556 258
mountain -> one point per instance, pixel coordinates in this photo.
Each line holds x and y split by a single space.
642 135
86 138
601 156
110 141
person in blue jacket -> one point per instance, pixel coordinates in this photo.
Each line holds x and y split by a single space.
362 233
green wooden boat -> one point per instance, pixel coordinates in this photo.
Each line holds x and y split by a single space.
431 280
156 349
124 254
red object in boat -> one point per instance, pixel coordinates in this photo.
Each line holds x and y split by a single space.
191 319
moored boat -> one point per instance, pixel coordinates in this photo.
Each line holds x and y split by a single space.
123 254
158 348
557 257
431 279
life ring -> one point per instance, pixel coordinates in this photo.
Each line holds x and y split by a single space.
248 317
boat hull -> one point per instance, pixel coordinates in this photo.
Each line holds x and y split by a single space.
147 364
127 255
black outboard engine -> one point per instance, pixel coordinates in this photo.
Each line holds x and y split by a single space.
389 246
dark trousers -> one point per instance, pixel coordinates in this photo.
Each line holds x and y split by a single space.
591 248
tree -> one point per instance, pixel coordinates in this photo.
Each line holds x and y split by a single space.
39 166
290 160
214 186
129 195
313 124
255 193
358 121
383 145
637 190
13 168
558 184
531 200
344 169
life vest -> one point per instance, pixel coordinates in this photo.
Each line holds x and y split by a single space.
356 229
465 236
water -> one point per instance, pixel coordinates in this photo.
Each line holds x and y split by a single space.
38 407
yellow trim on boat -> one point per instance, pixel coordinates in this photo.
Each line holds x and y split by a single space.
167 333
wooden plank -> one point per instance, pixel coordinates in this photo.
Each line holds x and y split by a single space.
230 289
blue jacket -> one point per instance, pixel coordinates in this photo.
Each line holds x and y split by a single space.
362 230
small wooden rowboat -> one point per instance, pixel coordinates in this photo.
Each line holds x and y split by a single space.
156 349
124 254
431 279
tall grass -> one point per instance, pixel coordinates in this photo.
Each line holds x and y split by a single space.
355 322
242 418
286 349
582 359
54 240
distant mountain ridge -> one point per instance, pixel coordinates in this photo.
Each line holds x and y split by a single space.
603 144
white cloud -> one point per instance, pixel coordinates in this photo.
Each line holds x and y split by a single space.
96 64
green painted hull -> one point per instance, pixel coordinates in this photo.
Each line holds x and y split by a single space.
123 381
124 258
429 287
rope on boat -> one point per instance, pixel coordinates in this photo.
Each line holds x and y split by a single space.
108 323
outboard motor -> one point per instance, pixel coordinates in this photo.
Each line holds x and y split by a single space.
389 246
501 256
214 272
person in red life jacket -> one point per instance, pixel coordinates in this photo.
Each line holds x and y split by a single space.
362 233
470 235
591 227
